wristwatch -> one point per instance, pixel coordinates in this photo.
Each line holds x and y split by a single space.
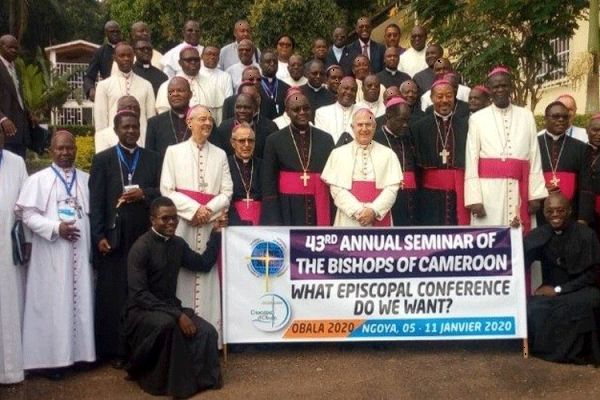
557 289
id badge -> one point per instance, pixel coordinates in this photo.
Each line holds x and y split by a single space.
128 188
67 213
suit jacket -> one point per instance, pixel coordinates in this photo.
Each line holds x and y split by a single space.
377 50
106 187
102 63
267 107
11 109
344 60
278 106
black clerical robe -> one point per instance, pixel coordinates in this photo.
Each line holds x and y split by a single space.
107 178
281 156
461 108
161 358
262 127
559 326
424 79
589 201
150 73
244 176
404 210
392 78
565 157
267 107
166 129
101 63
442 191
317 97
276 91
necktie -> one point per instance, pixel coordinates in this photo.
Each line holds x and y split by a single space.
13 75
365 50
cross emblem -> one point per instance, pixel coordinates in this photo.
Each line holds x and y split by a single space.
305 177
444 154
555 180
247 200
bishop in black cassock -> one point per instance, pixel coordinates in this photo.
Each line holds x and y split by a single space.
173 351
396 135
294 157
440 140
246 187
112 190
143 65
562 156
589 202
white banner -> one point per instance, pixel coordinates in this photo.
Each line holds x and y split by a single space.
329 284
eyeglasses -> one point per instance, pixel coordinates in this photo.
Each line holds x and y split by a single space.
559 116
191 59
244 141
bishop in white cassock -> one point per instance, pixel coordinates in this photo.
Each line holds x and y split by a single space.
196 177
123 83
12 277
221 81
363 176
191 37
503 174
336 119
107 137
58 327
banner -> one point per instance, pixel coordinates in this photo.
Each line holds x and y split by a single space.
283 284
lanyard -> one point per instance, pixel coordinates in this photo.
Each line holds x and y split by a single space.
130 168
272 93
1 155
68 186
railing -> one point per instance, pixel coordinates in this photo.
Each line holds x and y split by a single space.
73 113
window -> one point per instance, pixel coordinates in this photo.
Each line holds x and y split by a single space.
552 73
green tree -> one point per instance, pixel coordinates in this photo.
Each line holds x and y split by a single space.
515 33
166 18
594 49
303 19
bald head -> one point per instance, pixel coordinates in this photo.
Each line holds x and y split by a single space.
9 47
418 38
139 31
112 32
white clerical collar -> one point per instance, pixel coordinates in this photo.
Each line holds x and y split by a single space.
146 66
180 116
111 45
160 235
443 117
128 149
554 137
392 72
314 88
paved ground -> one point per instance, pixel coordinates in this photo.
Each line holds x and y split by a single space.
417 370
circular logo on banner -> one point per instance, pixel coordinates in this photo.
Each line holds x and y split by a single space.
271 313
267 257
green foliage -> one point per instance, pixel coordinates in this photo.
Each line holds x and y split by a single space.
303 19
77 130
166 18
85 153
516 33
43 91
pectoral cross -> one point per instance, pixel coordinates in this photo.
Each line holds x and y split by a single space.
305 177
247 200
555 180
444 154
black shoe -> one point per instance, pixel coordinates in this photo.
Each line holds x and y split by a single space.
118 363
53 374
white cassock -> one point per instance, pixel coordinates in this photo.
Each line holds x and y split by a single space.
236 70
58 327
229 55
170 59
461 94
575 132
223 88
412 61
292 82
156 62
186 168
360 96
282 71
352 162
111 89
377 108
107 138
335 119
12 277
205 91
282 121
496 133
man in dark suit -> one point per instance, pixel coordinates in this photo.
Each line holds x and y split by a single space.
124 177
338 53
274 88
14 117
374 51
102 59
169 127
250 76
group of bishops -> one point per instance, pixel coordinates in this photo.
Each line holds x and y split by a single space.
361 135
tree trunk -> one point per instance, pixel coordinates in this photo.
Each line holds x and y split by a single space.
593 88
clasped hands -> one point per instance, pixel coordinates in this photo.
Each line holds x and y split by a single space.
365 216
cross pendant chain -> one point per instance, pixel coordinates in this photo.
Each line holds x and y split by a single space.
444 154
